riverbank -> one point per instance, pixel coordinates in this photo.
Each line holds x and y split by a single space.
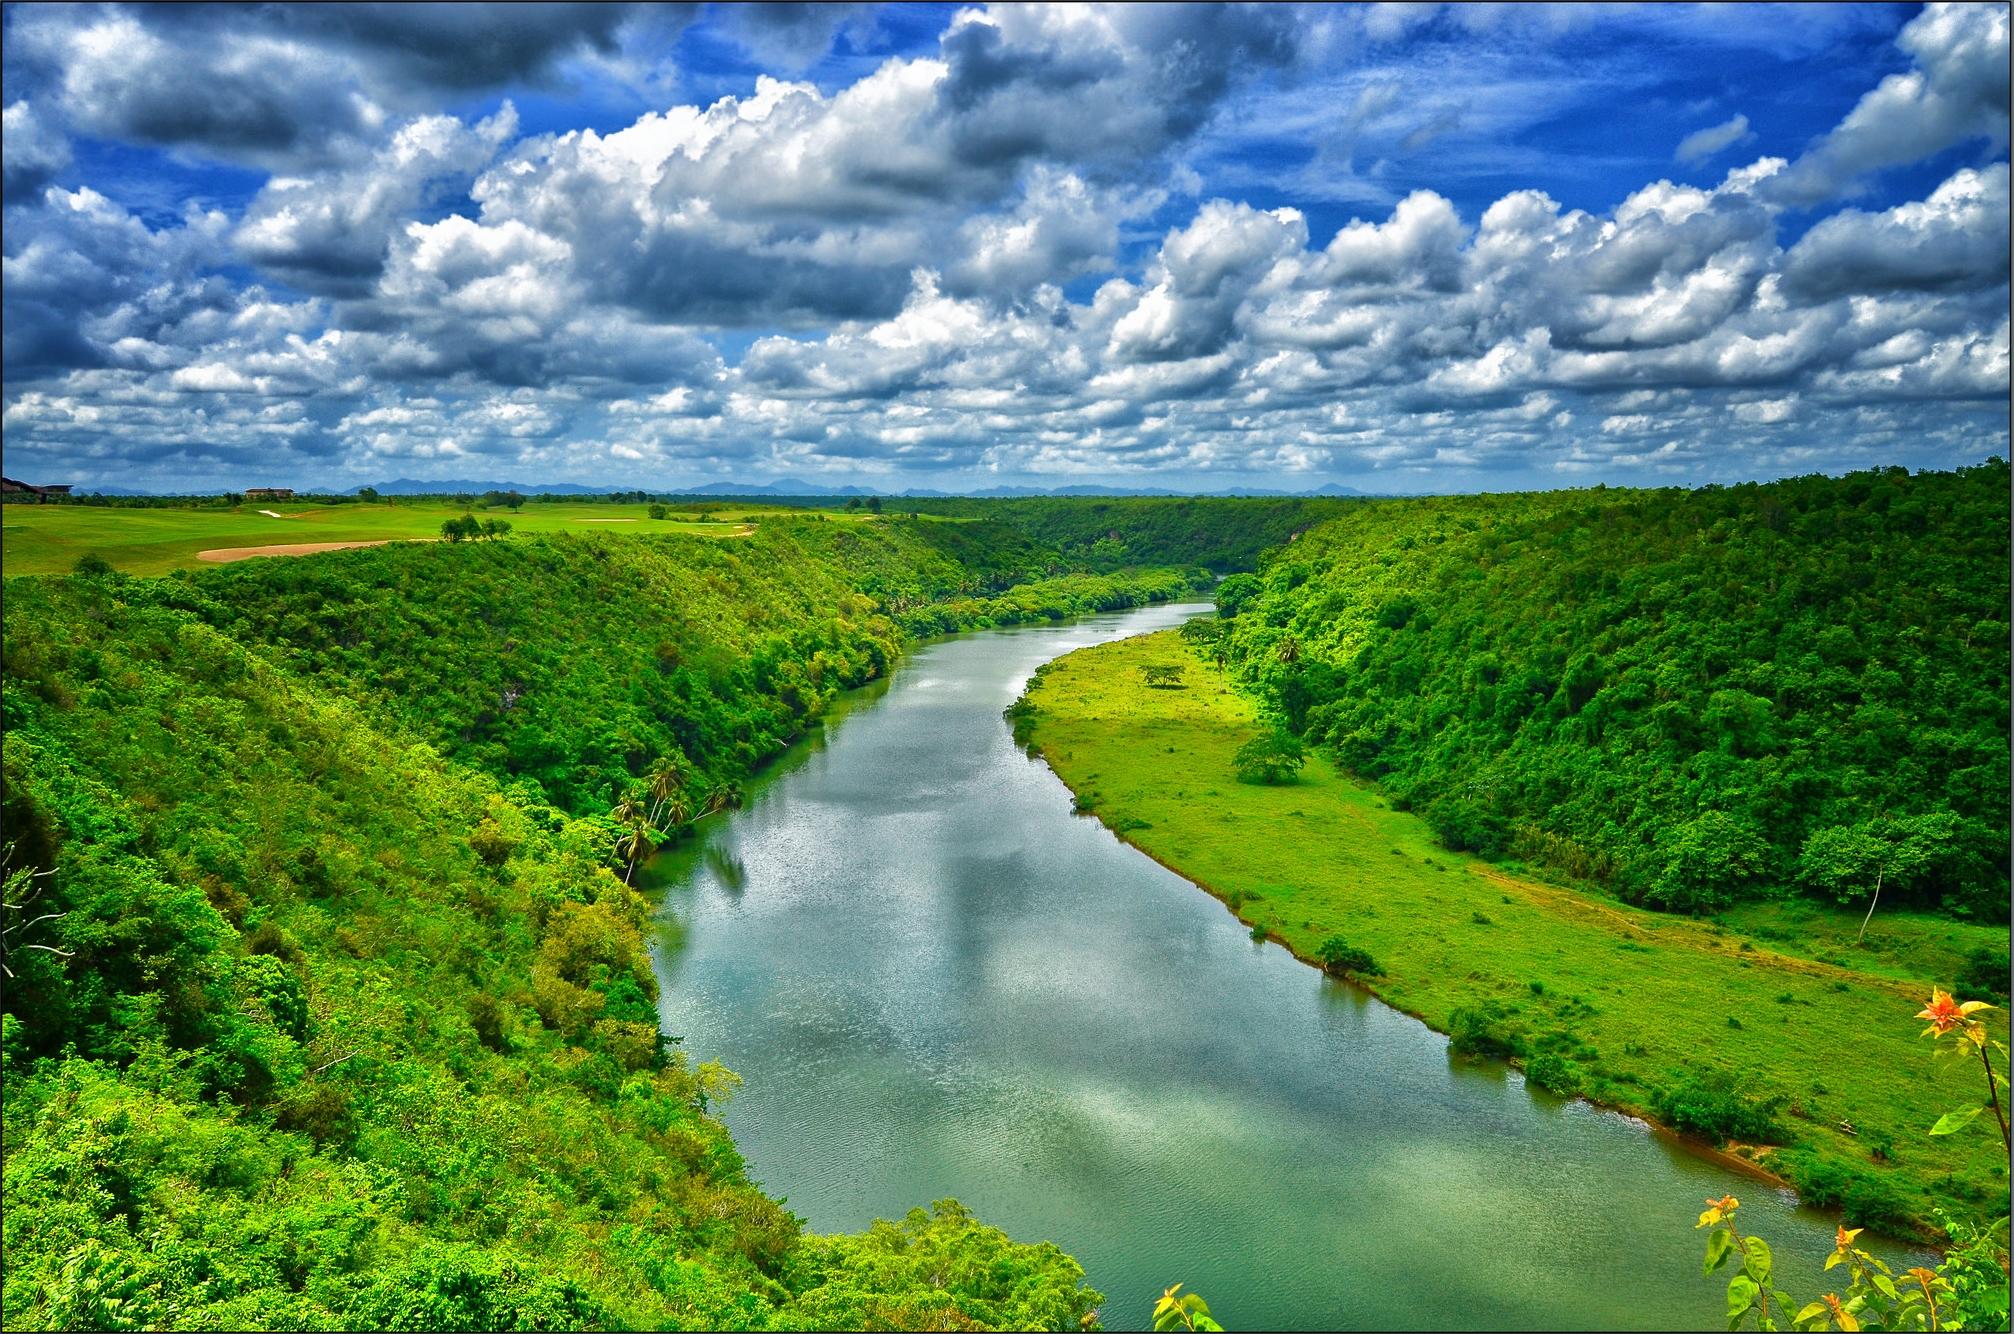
1629 1009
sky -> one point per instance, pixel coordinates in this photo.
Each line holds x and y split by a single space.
1402 247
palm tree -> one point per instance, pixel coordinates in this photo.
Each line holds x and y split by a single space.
677 811
667 777
635 842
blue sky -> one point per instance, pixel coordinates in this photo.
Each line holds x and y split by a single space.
1404 248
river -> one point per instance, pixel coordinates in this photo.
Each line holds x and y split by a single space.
937 981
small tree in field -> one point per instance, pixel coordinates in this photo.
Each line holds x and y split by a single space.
1275 757
1163 676
1847 861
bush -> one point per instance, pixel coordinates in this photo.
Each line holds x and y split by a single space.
1713 1107
1342 959
1985 973
1866 1199
1463 826
1483 1030
1555 1073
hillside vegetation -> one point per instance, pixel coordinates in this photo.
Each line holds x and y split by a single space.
1692 698
1222 534
327 1005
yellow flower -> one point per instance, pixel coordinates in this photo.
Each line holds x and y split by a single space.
1718 1210
1843 1237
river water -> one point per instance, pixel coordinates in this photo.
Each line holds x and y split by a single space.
936 981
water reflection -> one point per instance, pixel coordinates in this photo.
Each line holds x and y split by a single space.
935 981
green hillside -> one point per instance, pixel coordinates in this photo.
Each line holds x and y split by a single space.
1693 698
328 1005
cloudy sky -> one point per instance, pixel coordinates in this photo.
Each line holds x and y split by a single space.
1400 247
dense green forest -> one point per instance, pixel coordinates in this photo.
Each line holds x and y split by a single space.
577 663
1689 697
327 1006
1222 534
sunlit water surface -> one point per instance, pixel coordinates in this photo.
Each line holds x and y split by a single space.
936 981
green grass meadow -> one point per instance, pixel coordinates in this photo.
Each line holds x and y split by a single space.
49 539
1635 1000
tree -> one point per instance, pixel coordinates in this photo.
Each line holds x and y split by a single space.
666 777
1843 859
1275 757
658 511
462 527
494 528
1163 676
1342 959
636 842
367 495
1708 862
1236 592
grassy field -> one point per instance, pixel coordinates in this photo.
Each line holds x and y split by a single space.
1635 1000
48 539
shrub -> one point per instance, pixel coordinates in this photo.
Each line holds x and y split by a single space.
1985 972
1712 1107
1549 1070
1463 826
1483 1030
1342 959
1865 1198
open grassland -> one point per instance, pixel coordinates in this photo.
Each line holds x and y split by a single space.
49 539
1629 1002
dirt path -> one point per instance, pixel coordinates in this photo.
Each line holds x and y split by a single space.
222 555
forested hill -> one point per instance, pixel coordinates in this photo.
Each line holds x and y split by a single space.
1690 696
1223 534
328 1004
578 663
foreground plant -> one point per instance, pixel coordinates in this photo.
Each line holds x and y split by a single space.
1967 1291
1184 1311
1959 1035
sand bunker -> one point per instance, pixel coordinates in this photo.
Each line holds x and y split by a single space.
270 514
220 555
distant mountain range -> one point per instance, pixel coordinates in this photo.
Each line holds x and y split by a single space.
791 486
783 486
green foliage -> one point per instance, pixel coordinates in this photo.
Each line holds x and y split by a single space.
1968 1290
1342 959
1986 973
1713 1106
935 1270
1484 1030
1554 1073
1271 757
323 1015
1183 1310
1692 697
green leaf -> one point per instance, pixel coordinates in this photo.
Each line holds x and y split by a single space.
1741 1294
1952 1122
1885 1286
1758 1263
1718 1244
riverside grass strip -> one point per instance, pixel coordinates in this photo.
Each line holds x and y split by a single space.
1635 1000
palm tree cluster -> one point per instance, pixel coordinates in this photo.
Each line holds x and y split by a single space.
672 798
